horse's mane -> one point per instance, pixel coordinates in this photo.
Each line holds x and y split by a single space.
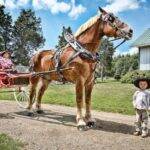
86 25
81 29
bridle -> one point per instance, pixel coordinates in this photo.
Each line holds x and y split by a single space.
111 20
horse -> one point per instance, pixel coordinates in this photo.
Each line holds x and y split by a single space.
89 35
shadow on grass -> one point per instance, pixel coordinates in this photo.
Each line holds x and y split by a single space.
69 120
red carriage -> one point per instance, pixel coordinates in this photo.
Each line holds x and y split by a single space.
18 82
10 78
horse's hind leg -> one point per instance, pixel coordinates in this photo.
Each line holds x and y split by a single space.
88 90
42 86
32 91
79 100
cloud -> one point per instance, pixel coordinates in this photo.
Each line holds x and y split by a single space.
1 2
131 51
22 3
76 10
37 4
55 6
10 4
117 6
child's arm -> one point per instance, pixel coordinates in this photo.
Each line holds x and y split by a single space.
149 102
134 98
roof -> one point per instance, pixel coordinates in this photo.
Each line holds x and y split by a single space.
143 40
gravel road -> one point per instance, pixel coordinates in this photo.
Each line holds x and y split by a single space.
56 130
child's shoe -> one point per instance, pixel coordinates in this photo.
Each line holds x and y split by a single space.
136 133
144 134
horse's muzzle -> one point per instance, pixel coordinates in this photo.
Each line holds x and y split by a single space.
128 34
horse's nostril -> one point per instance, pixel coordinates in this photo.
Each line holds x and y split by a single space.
131 31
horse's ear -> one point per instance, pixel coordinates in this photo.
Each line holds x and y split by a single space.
102 10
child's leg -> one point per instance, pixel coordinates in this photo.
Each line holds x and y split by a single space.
138 120
144 123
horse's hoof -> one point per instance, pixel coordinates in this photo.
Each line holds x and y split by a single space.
82 128
40 111
30 114
91 124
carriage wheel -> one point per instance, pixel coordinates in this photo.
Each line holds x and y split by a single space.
22 96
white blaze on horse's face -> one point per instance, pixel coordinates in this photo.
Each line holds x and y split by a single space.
113 27
122 29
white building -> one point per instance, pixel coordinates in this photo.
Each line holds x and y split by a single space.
143 44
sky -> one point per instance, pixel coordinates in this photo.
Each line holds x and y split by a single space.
58 13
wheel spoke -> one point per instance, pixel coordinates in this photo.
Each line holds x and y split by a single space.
22 97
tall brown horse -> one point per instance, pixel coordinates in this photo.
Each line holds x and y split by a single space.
89 35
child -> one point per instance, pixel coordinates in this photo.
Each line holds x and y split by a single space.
141 103
5 61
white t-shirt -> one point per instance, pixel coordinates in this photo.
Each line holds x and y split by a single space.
141 99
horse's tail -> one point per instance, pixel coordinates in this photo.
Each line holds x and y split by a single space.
35 61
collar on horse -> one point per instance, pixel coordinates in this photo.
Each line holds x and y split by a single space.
79 49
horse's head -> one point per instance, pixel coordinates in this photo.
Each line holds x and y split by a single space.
113 27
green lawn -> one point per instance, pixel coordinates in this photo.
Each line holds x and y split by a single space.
108 96
7 143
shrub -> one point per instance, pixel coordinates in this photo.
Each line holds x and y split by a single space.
117 76
130 76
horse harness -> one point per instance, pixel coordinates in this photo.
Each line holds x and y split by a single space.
78 51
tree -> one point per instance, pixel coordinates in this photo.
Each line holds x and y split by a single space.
28 36
1 43
125 63
106 52
117 75
6 29
61 40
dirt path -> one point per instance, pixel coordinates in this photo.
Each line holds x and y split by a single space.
56 130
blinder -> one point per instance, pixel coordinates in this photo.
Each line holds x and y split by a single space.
91 57
108 18
111 19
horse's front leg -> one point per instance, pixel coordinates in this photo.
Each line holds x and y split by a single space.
88 91
81 125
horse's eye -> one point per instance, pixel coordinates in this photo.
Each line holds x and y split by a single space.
111 19
122 24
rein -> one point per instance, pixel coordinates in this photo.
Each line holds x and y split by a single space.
123 41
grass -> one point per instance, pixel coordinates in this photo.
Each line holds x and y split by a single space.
113 97
107 96
7 143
